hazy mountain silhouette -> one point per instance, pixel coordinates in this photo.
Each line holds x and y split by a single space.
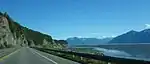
87 41
133 37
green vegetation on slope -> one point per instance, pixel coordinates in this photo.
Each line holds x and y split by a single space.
37 37
31 35
87 50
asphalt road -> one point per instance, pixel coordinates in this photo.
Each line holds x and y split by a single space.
27 55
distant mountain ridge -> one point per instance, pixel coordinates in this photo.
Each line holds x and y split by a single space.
87 41
133 37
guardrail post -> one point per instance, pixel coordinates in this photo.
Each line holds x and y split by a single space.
81 58
73 56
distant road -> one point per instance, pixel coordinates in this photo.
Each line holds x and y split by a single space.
32 56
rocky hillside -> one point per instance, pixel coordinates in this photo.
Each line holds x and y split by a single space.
6 36
13 34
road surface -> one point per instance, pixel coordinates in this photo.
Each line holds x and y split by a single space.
31 56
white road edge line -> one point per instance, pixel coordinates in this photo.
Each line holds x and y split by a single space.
6 56
45 57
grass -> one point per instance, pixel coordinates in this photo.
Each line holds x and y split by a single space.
87 50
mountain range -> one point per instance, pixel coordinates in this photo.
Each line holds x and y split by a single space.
133 37
129 37
14 34
87 41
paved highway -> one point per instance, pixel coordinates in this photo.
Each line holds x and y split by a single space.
31 56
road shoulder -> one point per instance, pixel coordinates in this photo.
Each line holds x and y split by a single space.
57 59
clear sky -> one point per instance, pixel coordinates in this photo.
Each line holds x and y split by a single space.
83 18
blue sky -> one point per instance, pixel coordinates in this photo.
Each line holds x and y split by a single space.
83 18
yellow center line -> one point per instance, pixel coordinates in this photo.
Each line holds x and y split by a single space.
6 56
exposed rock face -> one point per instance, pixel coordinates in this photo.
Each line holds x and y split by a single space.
6 37
13 34
45 42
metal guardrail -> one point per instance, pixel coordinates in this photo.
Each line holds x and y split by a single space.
102 57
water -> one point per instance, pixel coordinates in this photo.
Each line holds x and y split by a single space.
132 51
120 54
110 52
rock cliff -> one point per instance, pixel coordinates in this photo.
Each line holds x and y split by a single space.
13 34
